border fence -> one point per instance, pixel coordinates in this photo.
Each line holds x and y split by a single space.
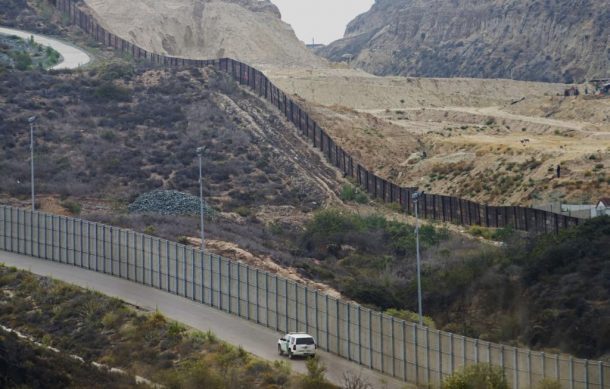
401 349
431 206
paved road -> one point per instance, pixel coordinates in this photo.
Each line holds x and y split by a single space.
254 338
73 57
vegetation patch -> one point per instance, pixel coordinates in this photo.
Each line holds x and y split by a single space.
105 330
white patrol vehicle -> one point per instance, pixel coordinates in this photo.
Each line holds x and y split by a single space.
297 344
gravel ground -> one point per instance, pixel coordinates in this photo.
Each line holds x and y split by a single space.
167 202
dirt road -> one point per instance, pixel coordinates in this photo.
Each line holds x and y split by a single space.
254 338
72 57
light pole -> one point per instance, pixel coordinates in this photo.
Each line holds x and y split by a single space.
200 151
32 119
416 196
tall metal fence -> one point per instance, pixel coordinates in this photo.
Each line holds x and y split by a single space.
401 349
431 206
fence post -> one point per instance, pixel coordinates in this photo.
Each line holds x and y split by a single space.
601 374
277 303
229 286
327 322
349 340
257 298
571 372
81 241
267 299
404 350
476 351
96 247
286 305
502 357
317 317
306 306
359 335
415 341
338 328
32 233
428 372
296 305
393 349
529 368
219 283
239 290
586 374
464 351
112 252
557 373
370 339
439 358
451 356
516 367
59 233
381 342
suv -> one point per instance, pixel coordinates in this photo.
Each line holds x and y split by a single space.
297 344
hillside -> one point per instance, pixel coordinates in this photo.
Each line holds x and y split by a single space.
247 30
104 330
556 41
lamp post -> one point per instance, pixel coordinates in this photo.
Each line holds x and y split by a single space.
32 119
416 196
200 151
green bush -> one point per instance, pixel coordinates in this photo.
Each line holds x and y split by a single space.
23 61
480 376
351 193
315 375
109 91
72 206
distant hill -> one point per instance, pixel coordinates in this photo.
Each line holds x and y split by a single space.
552 40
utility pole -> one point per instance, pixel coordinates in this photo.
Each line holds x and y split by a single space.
416 196
200 152
32 119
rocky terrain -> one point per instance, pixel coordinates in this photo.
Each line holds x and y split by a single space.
557 40
248 30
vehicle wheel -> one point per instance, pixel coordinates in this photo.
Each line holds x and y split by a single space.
290 356
279 350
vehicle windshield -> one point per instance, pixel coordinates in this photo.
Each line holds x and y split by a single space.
305 341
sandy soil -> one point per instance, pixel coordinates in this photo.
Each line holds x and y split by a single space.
496 141
246 30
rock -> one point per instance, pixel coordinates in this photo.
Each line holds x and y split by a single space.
167 202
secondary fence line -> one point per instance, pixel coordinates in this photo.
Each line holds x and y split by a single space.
430 206
373 339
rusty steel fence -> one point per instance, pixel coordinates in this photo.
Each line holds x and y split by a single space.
430 206
372 339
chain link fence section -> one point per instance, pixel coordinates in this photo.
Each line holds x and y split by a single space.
372 339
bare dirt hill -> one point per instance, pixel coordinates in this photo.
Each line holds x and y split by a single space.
248 30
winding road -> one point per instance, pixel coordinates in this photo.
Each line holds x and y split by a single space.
73 57
254 338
